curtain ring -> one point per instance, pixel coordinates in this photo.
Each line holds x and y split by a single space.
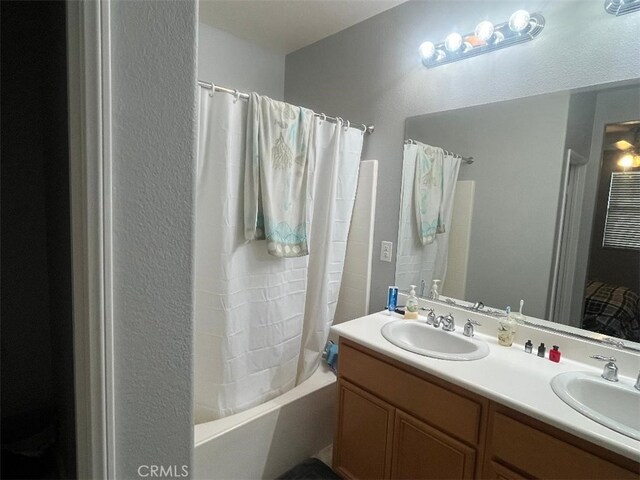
213 89
339 121
364 128
348 126
236 95
323 117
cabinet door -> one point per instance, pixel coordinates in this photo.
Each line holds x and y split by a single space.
363 436
421 451
498 471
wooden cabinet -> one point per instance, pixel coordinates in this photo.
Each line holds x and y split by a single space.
395 421
528 448
364 431
421 451
398 422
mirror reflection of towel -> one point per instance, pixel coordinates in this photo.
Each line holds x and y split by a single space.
428 196
275 182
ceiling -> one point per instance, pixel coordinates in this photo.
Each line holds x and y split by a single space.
287 25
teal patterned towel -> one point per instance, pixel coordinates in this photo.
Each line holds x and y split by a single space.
428 192
275 182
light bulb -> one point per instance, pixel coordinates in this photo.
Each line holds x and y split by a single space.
519 21
453 42
484 30
626 161
427 50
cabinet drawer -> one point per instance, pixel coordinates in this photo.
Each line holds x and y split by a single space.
455 414
542 455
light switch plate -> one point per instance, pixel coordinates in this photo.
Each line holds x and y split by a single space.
386 251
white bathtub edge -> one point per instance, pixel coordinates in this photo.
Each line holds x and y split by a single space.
206 431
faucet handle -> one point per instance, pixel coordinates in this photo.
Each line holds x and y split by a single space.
602 358
468 327
613 342
430 316
610 371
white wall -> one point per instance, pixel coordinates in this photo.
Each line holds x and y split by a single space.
235 63
154 85
371 72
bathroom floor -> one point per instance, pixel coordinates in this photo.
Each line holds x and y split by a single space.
310 469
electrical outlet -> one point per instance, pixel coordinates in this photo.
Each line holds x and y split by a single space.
386 251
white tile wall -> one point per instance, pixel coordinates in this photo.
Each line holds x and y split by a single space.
457 260
353 301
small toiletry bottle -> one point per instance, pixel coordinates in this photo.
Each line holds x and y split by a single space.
541 350
506 329
392 299
528 347
411 309
554 355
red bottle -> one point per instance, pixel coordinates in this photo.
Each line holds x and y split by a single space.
554 354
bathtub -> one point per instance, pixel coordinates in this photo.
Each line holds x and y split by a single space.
267 440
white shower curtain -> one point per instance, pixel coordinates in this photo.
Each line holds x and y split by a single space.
416 262
261 321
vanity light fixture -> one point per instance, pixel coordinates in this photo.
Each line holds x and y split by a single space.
621 7
521 27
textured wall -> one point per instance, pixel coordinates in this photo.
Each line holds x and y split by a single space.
236 63
154 49
371 73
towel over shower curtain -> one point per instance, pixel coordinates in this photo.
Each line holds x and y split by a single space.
416 259
261 321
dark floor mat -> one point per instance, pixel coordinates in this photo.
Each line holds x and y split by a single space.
310 469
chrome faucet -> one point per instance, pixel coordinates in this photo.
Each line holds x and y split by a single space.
437 321
468 327
448 324
637 385
477 306
430 317
610 371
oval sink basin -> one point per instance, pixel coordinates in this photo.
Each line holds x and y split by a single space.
615 405
423 339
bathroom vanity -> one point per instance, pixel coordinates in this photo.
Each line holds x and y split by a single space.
403 415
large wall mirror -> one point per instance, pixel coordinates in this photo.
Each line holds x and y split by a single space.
530 212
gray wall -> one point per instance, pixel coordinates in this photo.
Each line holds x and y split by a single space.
153 70
518 147
371 72
235 63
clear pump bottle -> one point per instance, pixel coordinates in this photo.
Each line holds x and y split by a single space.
411 309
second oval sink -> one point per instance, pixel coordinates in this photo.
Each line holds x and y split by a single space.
423 339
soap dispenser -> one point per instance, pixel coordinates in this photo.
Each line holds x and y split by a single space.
433 294
411 309
506 329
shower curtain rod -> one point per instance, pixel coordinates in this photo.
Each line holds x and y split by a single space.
245 96
467 160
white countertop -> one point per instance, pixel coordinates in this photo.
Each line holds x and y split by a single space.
508 375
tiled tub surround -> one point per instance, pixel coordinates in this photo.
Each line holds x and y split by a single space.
509 375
